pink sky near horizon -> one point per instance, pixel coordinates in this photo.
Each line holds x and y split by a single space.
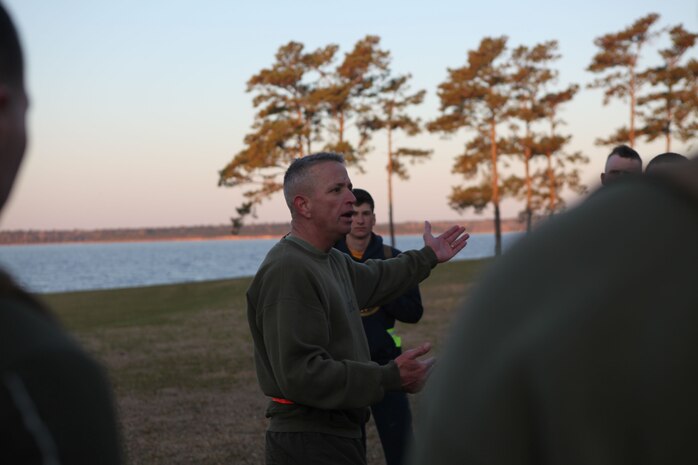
135 106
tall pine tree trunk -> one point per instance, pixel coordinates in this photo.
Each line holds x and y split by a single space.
341 127
667 129
551 180
390 186
551 171
527 160
529 211
497 231
299 145
308 133
495 191
631 135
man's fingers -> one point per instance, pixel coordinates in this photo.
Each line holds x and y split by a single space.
418 382
460 243
427 228
452 233
417 351
429 362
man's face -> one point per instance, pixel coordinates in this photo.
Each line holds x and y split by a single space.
617 167
362 222
13 136
331 200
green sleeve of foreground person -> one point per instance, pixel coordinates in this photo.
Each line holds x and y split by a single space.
310 350
591 356
55 401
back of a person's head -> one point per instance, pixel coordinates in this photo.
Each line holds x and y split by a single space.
363 197
665 159
11 61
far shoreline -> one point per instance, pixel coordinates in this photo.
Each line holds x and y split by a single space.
136 240
218 233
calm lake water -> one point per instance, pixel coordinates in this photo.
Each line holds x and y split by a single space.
47 268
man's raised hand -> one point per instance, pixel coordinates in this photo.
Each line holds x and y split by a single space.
448 244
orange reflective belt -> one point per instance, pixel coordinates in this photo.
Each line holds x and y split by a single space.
279 400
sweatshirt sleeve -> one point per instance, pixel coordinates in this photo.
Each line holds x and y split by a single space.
379 281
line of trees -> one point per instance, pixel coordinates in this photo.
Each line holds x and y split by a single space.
669 108
505 98
505 101
33 236
308 100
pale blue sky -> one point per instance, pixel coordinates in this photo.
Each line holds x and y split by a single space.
137 104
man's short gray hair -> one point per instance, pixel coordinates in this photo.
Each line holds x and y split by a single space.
296 177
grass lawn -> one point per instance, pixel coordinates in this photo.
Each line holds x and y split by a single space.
180 359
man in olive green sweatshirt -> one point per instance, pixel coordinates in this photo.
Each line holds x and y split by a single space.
311 354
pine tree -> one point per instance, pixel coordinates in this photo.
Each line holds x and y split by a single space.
354 83
673 104
288 111
531 74
477 96
618 58
390 114
561 168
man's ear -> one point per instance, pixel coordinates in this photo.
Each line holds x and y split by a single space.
301 204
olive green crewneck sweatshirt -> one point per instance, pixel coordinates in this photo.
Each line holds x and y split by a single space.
310 347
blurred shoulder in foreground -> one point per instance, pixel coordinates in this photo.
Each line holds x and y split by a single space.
581 343
56 405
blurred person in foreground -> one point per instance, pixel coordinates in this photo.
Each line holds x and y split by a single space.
56 405
580 345
621 162
311 354
392 414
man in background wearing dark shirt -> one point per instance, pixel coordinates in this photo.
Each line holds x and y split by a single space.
392 415
622 161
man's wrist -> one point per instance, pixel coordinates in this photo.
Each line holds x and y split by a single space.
391 376
431 255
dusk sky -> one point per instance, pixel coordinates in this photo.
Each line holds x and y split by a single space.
136 105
